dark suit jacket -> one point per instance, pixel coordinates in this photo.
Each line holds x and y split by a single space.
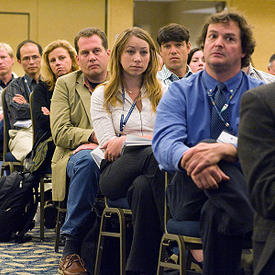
17 111
256 147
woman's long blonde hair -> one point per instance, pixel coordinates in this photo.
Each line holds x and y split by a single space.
150 82
46 71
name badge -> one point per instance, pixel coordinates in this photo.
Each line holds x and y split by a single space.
225 137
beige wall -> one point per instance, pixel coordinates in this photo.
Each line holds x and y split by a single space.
153 15
261 15
54 19
60 19
120 17
149 16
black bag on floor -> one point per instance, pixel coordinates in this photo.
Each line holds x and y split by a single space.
18 205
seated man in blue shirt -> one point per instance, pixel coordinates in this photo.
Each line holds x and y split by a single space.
208 185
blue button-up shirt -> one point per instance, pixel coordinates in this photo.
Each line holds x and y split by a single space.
183 114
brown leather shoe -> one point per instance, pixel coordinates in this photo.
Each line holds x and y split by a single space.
72 265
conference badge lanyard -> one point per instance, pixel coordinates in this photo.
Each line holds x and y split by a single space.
26 82
123 119
210 94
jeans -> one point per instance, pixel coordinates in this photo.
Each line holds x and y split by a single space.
83 184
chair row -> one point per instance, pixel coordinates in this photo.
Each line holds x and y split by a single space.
185 234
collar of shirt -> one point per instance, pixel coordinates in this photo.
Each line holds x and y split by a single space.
31 82
189 71
142 93
3 85
260 75
88 85
232 84
166 74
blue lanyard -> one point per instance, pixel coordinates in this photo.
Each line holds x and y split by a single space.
25 79
122 120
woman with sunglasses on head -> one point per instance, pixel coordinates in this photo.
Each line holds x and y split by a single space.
126 105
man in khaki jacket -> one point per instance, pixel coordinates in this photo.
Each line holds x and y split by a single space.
73 135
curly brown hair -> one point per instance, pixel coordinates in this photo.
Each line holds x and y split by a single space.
247 39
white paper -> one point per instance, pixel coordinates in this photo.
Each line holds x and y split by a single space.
23 123
132 140
97 155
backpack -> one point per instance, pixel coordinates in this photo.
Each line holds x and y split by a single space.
18 205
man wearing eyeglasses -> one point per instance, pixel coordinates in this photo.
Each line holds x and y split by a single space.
17 98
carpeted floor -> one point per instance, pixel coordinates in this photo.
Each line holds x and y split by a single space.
33 257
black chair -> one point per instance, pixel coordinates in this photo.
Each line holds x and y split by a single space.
61 213
10 163
120 210
185 234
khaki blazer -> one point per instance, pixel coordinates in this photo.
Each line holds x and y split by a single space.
71 125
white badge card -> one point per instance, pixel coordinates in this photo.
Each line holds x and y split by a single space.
225 137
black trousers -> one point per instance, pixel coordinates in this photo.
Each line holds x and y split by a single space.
264 246
136 175
225 215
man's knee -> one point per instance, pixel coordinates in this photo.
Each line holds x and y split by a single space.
83 160
141 185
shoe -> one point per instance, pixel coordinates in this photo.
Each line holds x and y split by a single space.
72 265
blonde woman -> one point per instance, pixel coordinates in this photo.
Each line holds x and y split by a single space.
127 105
59 58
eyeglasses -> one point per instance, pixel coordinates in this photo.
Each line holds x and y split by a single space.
28 58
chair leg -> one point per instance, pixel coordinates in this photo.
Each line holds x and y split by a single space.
160 269
122 241
181 265
182 255
100 245
58 226
11 168
121 235
2 171
42 207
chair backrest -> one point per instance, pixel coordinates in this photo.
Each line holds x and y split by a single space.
32 117
165 203
6 125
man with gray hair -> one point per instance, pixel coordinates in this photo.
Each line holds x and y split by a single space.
6 76
271 64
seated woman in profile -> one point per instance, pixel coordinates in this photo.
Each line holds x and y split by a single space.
127 105
59 58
